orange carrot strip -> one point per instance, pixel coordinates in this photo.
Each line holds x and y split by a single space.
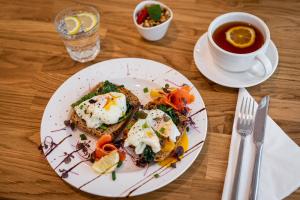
104 139
104 150
122 155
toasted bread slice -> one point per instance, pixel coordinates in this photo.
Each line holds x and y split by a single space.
162 155
113 129
181 125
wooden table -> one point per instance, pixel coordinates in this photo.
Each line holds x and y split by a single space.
34 62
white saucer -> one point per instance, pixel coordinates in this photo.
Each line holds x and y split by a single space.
210 70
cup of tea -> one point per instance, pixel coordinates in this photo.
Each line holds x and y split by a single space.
238 41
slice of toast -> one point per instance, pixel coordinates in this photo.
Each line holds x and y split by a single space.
113 129
162 155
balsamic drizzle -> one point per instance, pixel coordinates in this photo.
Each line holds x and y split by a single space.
49 145
65 173
188 152
61 129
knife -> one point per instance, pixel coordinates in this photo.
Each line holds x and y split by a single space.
258 139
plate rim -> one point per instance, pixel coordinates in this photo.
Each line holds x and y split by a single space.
165 182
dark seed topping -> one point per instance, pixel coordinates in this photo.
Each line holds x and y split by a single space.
72 125
67 122
93 157
173 165
178 152
92 101
166 118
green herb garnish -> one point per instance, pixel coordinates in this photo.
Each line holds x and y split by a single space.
146 90
156 175
145 125
103 127
108 87
83 137
162 130
119 163
113 176
84 98
170 112
154 12
157 133
148 154
141 115
128 112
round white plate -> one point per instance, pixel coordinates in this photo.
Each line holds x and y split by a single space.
205 64
59 143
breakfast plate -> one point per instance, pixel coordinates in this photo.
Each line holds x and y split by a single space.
66 154
205 64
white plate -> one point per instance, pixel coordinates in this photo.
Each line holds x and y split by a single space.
135 74
210 70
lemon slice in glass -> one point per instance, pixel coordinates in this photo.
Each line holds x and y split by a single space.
72 25
88 20
241 36
107 163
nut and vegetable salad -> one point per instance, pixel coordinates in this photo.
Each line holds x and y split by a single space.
152 15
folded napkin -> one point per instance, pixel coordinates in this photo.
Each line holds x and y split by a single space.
280 165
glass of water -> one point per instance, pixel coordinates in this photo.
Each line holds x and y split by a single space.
79 28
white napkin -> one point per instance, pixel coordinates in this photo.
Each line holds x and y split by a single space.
280 165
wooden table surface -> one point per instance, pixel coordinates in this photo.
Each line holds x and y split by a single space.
34 63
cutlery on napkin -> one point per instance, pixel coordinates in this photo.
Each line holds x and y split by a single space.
280 166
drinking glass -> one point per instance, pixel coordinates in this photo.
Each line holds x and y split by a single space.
82 45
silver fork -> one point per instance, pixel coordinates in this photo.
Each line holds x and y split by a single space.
244 128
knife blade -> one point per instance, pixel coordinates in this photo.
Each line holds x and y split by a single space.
258 139
260 120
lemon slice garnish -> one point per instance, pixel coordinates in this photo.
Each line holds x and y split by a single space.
88 20
72 25
241 36
107 163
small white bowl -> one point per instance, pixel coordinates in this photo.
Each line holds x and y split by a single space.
152 33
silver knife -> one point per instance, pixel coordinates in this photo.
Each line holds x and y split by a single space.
258 139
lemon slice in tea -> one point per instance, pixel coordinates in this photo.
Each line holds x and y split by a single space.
241 36
72 25
88 20
107 163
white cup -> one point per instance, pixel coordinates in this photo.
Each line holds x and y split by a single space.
152 33
234 62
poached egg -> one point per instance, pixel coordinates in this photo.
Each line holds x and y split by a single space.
102 109
147 131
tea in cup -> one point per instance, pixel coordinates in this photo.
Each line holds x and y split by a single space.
237 41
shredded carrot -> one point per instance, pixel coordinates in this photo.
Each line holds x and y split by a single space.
104 139
122 155
179 98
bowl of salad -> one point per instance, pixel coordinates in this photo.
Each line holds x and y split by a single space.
152 19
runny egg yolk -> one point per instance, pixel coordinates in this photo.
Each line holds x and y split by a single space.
149 134
184 142
111 101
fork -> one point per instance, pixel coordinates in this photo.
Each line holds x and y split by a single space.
244 128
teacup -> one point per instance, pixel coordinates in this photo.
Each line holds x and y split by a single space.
234 62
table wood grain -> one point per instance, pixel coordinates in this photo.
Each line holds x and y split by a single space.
34 63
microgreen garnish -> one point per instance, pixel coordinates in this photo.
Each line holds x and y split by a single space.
83 137
119 163
156 175
113 176
146 90
145 125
